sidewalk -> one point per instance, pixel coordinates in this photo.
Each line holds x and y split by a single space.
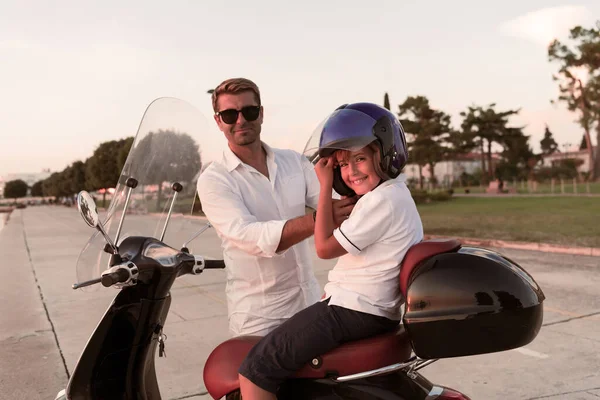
27 338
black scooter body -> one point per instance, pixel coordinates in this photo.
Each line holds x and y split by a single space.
117 363
118 360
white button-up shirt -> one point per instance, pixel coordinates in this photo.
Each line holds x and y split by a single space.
248 211
383 225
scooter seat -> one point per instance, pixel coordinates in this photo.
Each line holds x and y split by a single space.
221 368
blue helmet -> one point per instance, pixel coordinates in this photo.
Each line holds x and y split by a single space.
353 126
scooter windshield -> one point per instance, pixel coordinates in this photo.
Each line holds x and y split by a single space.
173 144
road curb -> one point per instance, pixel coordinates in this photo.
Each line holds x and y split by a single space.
543 247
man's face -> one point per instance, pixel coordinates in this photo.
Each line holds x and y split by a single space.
242 132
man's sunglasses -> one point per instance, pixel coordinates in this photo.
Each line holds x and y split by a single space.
230 116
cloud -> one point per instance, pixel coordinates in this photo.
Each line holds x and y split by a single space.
544 25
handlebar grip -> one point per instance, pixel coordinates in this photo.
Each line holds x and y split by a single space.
214 264
120 275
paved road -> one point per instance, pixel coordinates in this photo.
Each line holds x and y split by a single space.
459 194
44 324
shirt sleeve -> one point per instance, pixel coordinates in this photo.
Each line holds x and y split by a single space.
226 211
312 183
368 223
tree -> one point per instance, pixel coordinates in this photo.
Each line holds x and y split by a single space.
592 101
583 144
57 185
486 126
76 178
102 169
37 190
64 182
124 152
164 156
583 56
548 144
50 185
386 101
15 189
518 159
430 130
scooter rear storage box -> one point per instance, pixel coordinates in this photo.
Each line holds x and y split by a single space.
474 301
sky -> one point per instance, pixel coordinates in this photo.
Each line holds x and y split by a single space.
74 74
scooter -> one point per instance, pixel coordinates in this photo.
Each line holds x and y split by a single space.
460 300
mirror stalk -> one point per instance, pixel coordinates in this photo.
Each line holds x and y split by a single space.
131 184
176 188
184 247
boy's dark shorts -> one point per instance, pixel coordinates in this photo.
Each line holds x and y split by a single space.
310 333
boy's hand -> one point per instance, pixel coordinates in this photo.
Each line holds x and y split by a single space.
324 170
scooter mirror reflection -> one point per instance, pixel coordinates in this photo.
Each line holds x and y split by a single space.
87 208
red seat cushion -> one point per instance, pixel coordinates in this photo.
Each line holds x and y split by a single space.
421 251
221 369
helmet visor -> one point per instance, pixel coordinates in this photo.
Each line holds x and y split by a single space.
344 129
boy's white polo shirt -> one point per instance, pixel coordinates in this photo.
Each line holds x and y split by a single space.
383 225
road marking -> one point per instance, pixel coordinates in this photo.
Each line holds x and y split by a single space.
212 296
531 353
561 312
571 314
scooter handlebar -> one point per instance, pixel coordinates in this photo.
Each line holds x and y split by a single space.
214 264
119 276
201 264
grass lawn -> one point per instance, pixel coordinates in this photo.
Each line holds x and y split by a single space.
571 221
545 187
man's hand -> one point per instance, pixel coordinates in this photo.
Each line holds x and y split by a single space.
342 209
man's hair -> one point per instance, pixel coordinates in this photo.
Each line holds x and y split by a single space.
343 155
235 86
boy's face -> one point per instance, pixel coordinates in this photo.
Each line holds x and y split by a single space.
358 170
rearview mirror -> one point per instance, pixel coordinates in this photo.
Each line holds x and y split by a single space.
87 209
89 213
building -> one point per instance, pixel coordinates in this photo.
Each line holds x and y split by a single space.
29 178
583 155
449 171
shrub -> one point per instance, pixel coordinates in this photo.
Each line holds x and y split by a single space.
419 196
440 196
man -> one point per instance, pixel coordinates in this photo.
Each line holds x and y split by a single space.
255 197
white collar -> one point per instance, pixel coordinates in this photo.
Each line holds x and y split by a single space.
231 161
